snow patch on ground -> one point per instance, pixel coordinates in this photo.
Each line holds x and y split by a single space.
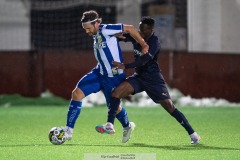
142 100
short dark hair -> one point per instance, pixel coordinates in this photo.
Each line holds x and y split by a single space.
148 20
91 17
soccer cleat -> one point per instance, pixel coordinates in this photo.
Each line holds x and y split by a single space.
195 138
68 133
106 128
127 131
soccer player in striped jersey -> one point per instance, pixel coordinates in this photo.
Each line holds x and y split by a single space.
102 77
147 78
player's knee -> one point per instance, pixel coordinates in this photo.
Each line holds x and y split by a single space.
116 94
122 90
168 105
77 94
119 109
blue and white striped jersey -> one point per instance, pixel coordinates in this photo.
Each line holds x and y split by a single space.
107 48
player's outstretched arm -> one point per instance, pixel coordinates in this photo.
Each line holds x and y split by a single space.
135 34
142 60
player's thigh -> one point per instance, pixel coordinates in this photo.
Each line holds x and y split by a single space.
123 90
90 83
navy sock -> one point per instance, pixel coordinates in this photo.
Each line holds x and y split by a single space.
182 120
122 116
73 113
114 104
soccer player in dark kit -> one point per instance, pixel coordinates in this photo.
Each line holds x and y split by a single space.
148 78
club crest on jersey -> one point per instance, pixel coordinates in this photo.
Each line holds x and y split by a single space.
98 43
99 38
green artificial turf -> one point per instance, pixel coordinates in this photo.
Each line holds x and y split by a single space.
24 134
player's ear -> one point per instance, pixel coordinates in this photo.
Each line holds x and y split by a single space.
96 24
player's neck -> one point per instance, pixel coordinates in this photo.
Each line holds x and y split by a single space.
147 38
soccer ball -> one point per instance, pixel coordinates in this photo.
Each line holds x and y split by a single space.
56 135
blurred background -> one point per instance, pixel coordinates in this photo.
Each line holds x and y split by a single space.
44 48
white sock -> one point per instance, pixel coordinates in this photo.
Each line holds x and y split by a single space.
193 134
109 123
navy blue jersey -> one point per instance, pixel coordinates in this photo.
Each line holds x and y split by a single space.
151 65
148 77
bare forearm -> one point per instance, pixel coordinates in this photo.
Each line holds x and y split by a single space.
135 34
142 60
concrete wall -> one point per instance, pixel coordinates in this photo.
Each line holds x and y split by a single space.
213 26
230 34
204 25
199 75
14 26
128 12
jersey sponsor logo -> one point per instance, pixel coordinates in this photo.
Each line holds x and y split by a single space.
137 53
150 54
100 45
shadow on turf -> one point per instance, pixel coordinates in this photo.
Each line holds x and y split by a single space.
183 147
179 147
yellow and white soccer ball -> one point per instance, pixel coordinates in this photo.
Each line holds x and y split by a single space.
56 135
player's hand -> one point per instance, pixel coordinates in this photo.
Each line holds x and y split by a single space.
118 65
145 48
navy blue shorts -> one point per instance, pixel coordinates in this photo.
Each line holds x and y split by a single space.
153 84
